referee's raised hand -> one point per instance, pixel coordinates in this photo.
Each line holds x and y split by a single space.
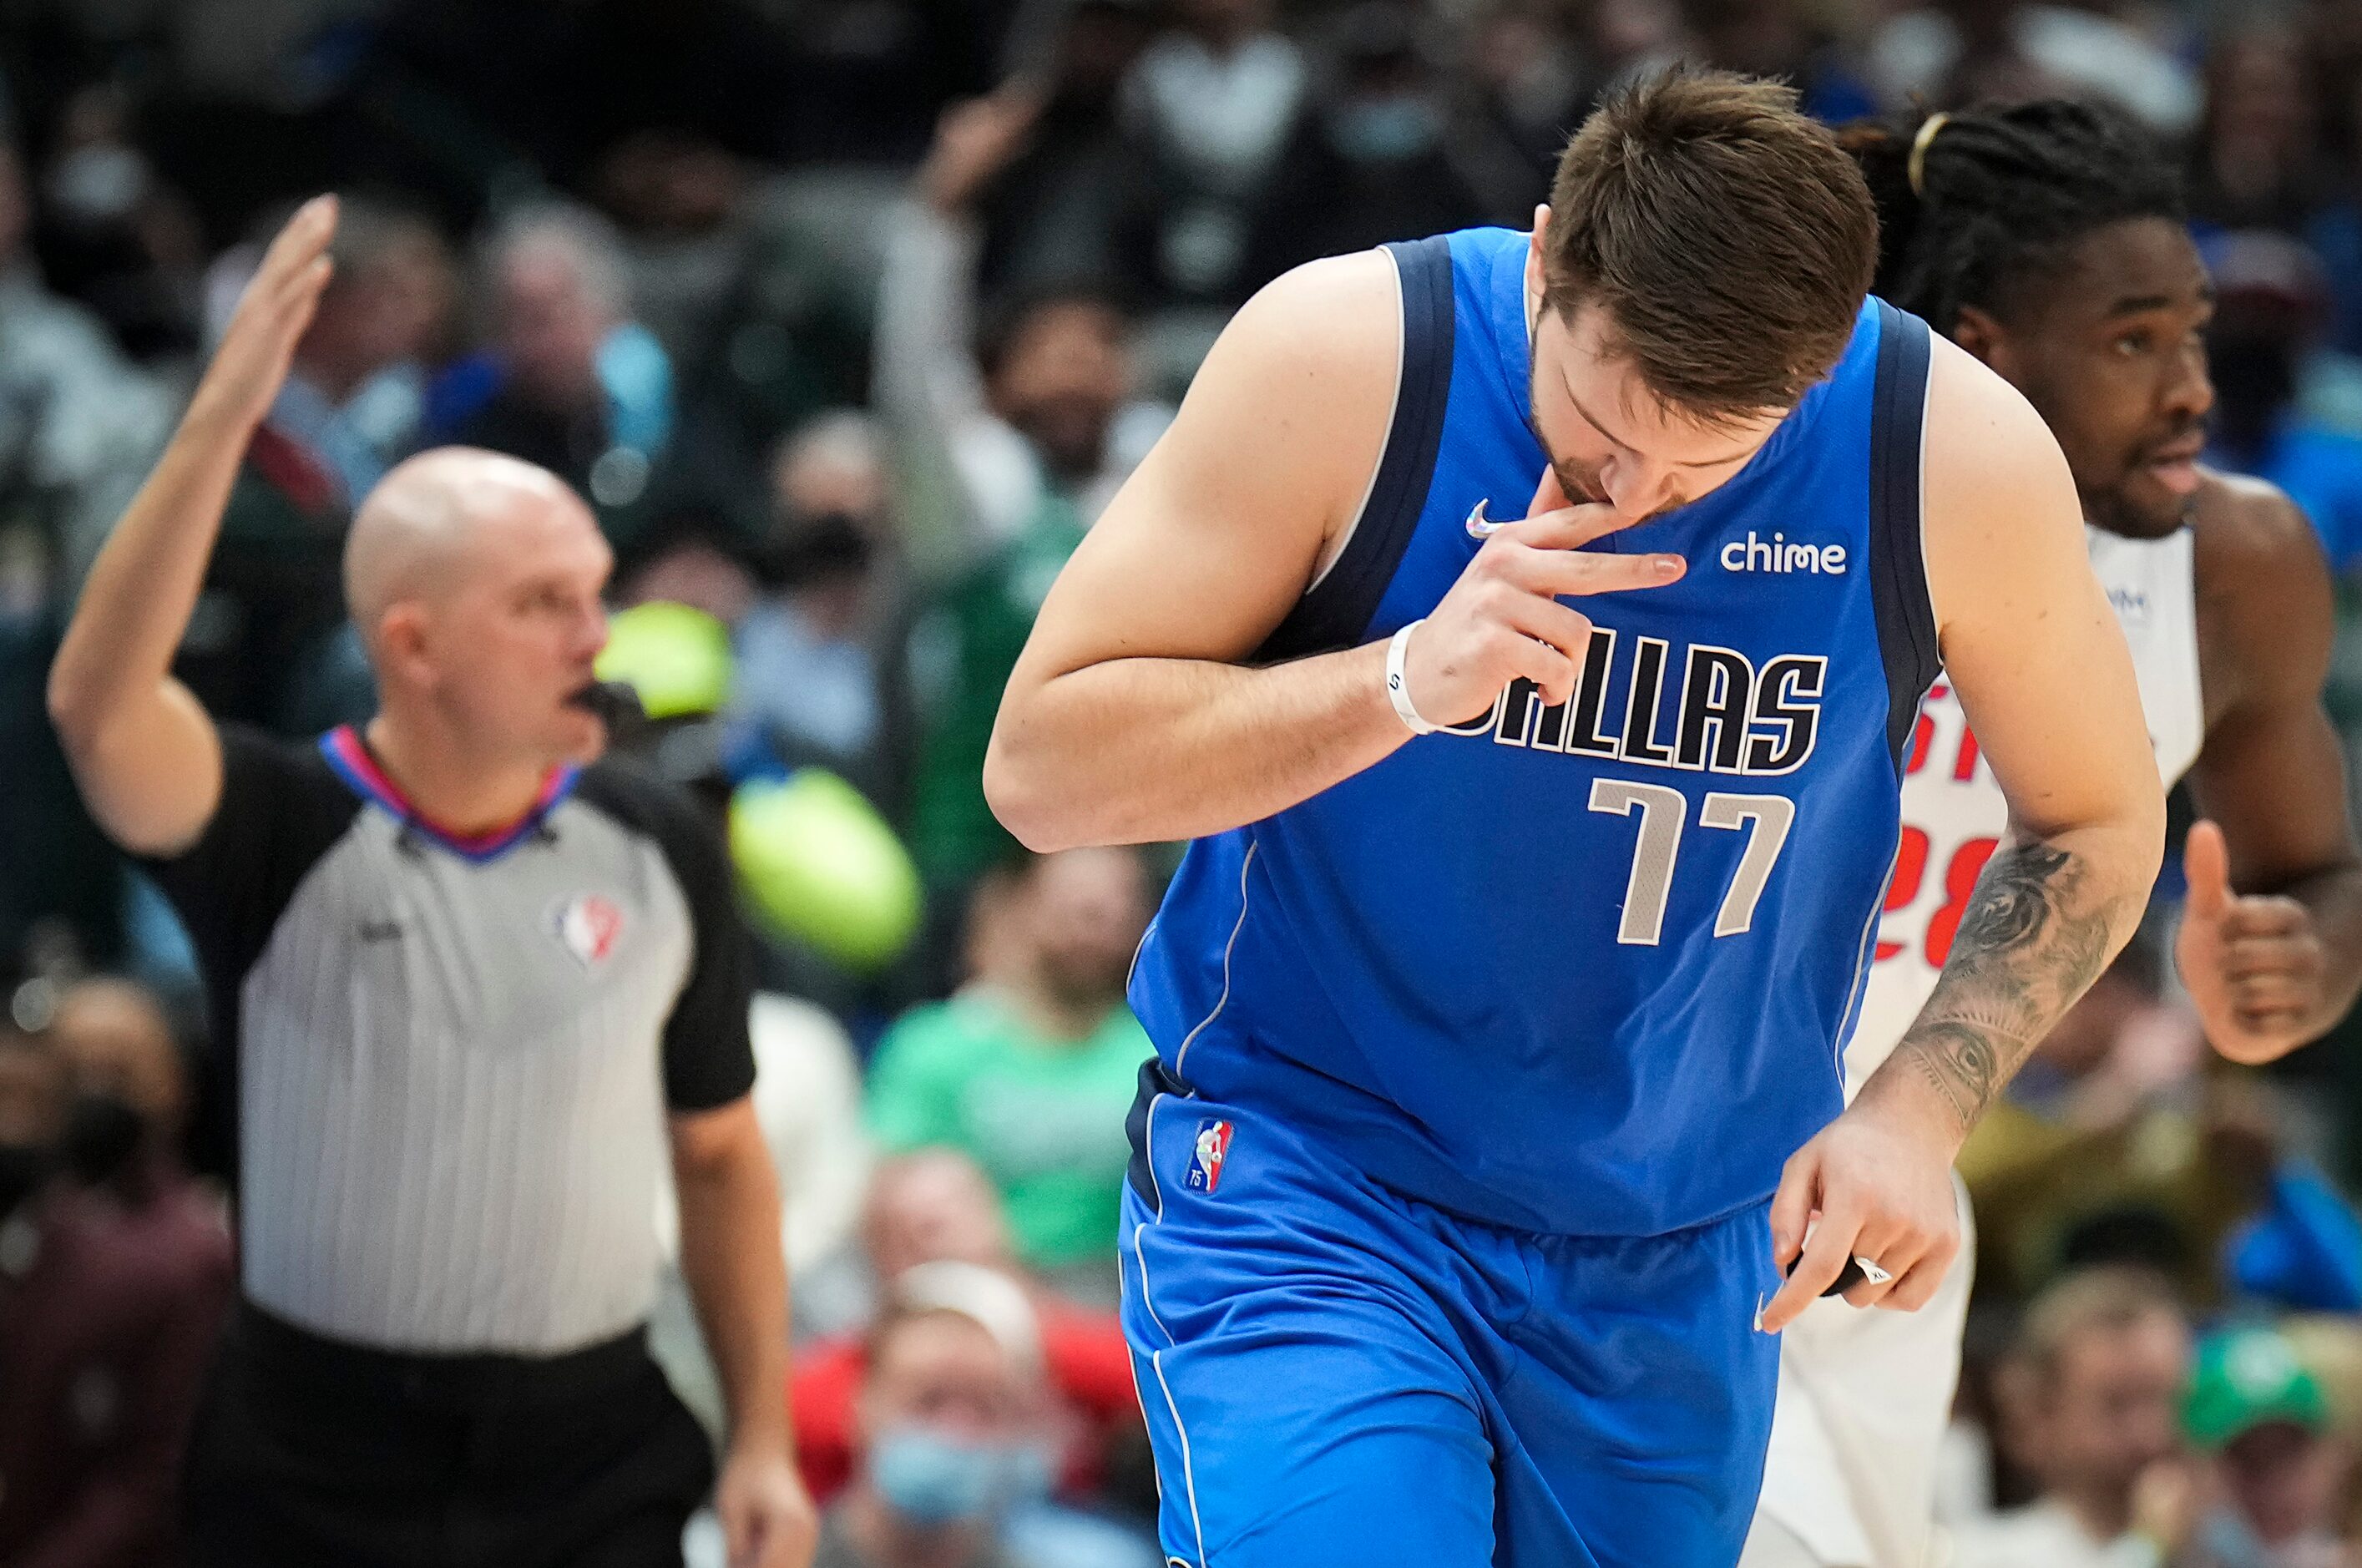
259 342
144 753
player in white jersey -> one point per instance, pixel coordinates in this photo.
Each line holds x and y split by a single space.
2049 239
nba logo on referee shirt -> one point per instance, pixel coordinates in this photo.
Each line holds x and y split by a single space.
588 925
1206 1159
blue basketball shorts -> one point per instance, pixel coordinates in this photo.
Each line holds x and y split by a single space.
1334 1373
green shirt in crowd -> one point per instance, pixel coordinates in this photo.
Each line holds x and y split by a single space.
974 634
1044 1118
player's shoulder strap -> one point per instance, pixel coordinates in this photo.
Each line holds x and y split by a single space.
1898 567
1336 611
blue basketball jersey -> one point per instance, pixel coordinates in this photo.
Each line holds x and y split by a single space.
1584 969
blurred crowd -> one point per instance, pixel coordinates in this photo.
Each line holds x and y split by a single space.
847 316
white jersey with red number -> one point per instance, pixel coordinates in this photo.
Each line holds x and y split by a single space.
1953 812
1851 1472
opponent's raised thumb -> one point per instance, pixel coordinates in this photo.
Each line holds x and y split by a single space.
2206 866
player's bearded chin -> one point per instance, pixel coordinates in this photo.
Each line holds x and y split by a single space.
1580 481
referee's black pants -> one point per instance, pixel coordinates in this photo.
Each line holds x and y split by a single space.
309 1453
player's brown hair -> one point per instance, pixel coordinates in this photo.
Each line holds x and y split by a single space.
1729 238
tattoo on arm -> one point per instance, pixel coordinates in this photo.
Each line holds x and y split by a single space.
2032 939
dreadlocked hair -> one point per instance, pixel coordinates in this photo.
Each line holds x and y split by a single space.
2002 193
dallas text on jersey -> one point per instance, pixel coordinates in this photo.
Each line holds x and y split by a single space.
1731 715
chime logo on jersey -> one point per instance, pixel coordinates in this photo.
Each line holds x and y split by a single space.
588 925
1206 1159
1781 554
1644 700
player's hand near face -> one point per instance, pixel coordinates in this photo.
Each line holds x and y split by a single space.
1139 711
1503 619
2255 967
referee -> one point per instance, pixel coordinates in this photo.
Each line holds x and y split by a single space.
476 984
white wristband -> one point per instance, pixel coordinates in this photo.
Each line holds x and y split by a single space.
1398 684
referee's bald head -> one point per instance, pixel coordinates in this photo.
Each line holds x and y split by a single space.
414 528
474 578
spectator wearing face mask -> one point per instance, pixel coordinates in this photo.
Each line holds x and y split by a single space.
934 1206
111 1296
961 649
78 424
2260 1413
2090 1397
954 1450
810 682
1030 1069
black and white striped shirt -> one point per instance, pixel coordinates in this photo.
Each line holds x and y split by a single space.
453 1057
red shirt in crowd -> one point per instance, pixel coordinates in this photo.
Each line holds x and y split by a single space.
1083 1353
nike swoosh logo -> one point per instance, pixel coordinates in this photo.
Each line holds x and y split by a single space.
1480 526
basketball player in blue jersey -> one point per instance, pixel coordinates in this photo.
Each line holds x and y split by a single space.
2049 239
1499 1001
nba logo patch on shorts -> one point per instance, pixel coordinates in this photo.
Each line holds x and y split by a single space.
1213 1146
